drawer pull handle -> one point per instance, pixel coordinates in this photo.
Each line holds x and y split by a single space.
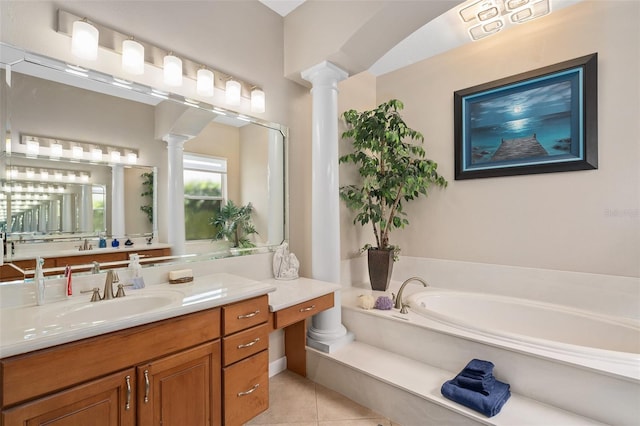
251 343
310 308
256 386
127 379
147 386
251 315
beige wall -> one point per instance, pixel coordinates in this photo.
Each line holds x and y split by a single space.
254 176
579 221
222 141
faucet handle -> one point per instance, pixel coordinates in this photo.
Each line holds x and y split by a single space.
116 278
95 297
120 292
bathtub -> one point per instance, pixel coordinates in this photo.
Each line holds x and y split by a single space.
534 324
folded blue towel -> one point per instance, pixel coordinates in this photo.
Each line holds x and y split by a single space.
478 369
489 405
484 385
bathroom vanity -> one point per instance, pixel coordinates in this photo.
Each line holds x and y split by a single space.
208 365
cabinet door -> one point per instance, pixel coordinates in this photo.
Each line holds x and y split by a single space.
104 402
181 389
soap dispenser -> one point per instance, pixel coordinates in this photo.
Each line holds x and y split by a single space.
39 279
135 271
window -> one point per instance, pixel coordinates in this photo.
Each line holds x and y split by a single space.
205 188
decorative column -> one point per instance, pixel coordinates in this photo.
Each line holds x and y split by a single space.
326 332
85 206
175 194
275 188
117 201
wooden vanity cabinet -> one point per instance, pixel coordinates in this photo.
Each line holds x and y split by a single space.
7 273
107 401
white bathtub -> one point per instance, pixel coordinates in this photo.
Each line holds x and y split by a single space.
530 323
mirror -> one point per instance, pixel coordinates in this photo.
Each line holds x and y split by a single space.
49 104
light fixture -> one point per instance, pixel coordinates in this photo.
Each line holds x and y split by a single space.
44 175
115 156
487 17
77 152
233 91
132 57
204 82
96 154
172 70
55 150
33 148
257 100
84 40
132 158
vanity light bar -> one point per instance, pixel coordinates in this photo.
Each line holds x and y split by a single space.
45 174
174 66
38 146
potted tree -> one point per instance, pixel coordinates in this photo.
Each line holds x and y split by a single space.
394 170
234 224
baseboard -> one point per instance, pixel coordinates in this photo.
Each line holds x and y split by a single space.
277 366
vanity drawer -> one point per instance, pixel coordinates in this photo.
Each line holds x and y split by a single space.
246 389
245 343
243 315
301 311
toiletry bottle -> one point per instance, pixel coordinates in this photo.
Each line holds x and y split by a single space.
67 274
39 279
135 270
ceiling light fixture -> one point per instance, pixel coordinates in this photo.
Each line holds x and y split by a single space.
84 40
172 70
132 57
487 17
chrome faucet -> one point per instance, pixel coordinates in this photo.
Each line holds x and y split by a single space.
399 304
95 269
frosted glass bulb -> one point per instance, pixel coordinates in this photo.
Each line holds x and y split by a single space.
172 70
84 40
232 92
132 57
204 82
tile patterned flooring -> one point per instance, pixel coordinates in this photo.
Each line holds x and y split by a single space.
295 400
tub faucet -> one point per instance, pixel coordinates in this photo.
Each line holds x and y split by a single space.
399 304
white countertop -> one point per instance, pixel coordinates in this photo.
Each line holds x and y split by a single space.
27 328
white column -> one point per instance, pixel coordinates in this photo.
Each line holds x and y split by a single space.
175 193
326 332
117 201
85 207
275 232
67 213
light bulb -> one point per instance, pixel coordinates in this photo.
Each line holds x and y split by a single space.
77 152
257 100
132 57
172 70
204 82
55 150
96 154
84 40
233 90
115 156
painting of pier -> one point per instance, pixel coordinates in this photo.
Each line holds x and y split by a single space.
527 125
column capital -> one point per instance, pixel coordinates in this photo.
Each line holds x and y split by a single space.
324 73
173 139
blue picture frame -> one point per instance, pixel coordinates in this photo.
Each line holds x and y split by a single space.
540 121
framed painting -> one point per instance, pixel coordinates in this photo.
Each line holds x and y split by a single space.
540 121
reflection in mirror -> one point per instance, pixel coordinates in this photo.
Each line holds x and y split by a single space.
47 103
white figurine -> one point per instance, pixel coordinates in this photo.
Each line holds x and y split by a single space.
285 264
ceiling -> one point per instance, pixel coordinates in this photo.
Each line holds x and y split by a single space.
439 35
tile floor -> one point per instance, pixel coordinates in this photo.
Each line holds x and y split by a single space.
295 400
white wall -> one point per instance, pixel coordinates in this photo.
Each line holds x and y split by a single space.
585 221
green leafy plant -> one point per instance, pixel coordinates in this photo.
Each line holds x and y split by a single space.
147 193
393 168
234 224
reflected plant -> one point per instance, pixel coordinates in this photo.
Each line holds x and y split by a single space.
147 193
234 224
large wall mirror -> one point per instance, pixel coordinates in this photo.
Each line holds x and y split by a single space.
59 181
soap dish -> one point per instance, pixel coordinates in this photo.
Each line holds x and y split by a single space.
181 280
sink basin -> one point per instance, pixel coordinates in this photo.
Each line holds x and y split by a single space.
114 309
